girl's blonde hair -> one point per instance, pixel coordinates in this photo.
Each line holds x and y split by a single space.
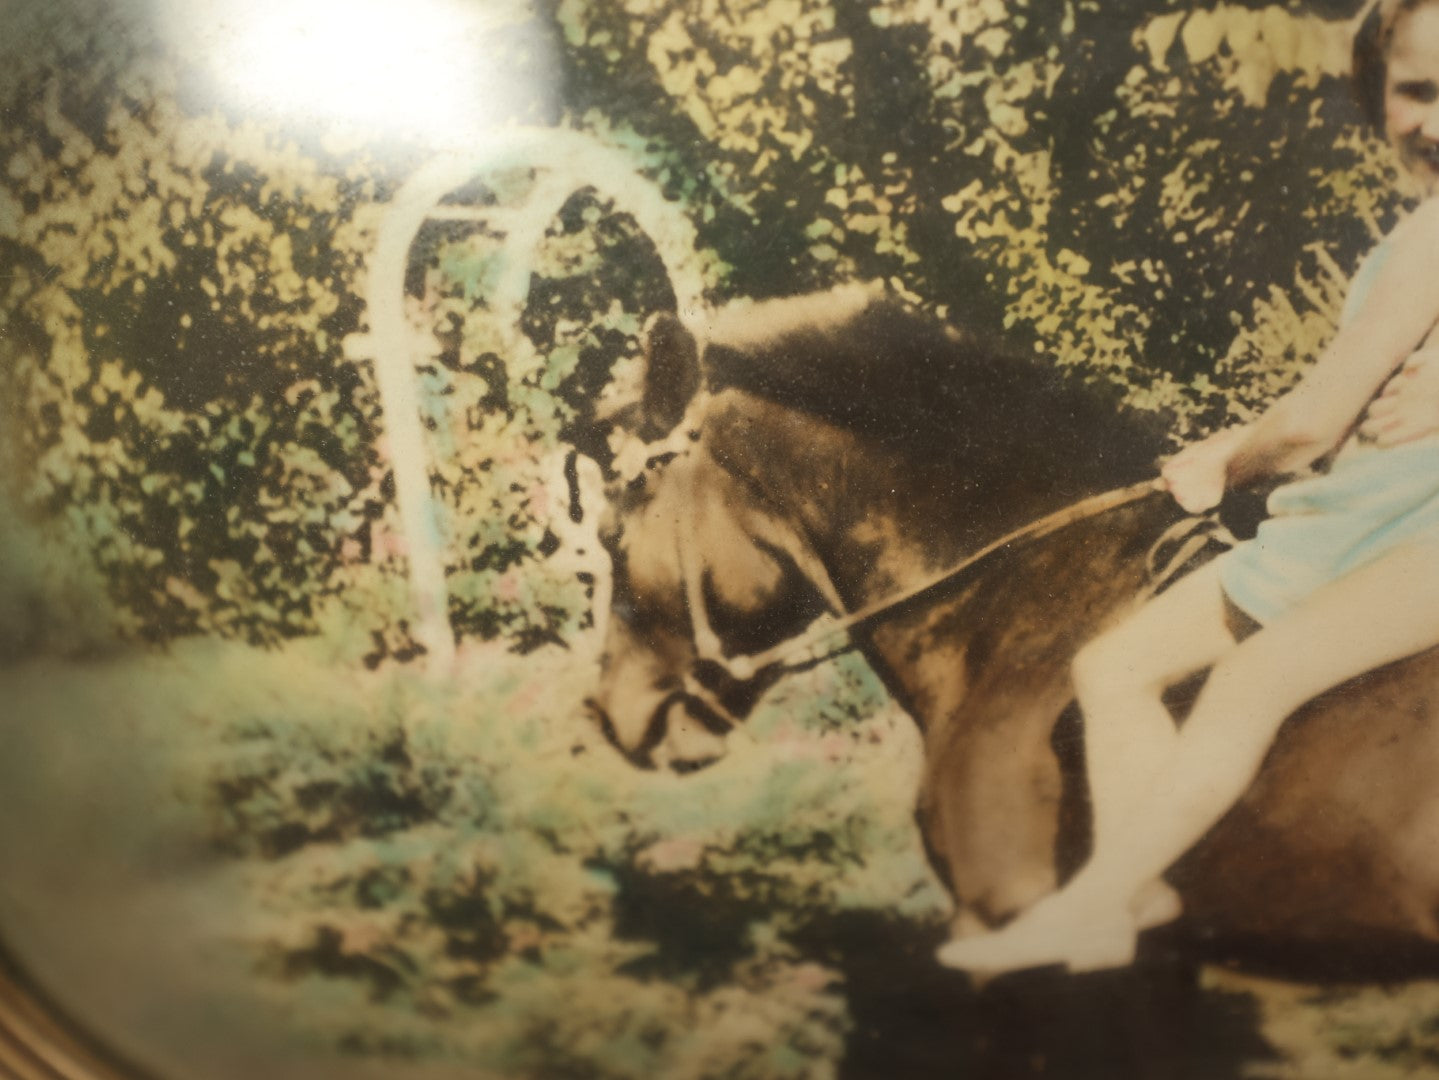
1371 54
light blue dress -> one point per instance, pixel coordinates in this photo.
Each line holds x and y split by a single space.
1370 501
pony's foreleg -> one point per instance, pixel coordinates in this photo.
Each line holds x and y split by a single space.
990 808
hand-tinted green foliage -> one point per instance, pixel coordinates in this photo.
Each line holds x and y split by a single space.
1169 197
512 896
1119 188
179 289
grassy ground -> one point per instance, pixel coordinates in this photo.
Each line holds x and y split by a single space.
234 863
381 865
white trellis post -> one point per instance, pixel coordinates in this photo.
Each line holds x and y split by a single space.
573 161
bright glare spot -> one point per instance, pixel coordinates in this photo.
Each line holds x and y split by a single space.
417 67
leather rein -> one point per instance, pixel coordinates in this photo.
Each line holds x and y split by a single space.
808 647
815 643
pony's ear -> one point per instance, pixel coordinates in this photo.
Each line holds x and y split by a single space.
672 374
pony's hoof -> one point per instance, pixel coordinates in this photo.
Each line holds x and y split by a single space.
1013 949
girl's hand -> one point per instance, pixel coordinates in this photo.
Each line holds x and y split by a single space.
1196 476
1408 408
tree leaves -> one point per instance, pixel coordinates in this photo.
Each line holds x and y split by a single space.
1114 189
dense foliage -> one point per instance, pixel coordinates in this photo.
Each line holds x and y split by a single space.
574 915
1170 199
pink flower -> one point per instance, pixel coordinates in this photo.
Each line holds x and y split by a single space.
388 544
667 856
811 977
507 588
538 500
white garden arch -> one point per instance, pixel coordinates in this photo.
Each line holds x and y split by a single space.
565 161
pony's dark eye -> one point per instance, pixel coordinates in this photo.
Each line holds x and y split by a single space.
1421 91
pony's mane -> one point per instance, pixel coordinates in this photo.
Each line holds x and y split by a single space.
878 368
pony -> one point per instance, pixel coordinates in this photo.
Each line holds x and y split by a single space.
814 456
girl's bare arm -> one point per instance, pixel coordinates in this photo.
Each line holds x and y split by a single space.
1401 308
1408 408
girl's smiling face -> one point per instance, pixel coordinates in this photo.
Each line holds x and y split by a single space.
1411 91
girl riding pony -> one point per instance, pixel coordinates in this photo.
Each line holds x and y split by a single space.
1342 578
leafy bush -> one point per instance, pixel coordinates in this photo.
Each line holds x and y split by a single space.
181 283
511 894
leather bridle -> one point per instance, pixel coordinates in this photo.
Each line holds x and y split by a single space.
818 641
815 643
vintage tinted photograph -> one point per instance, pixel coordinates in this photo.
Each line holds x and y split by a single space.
765 539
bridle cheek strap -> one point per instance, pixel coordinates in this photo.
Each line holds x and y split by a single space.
687 541
768 530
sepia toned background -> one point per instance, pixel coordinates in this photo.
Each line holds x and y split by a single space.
249 828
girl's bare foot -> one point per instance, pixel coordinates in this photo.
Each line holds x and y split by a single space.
1053 932
1155 904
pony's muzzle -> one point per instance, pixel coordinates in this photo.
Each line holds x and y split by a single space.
683 731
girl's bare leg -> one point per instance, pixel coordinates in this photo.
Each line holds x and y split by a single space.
1379 613
1120 679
